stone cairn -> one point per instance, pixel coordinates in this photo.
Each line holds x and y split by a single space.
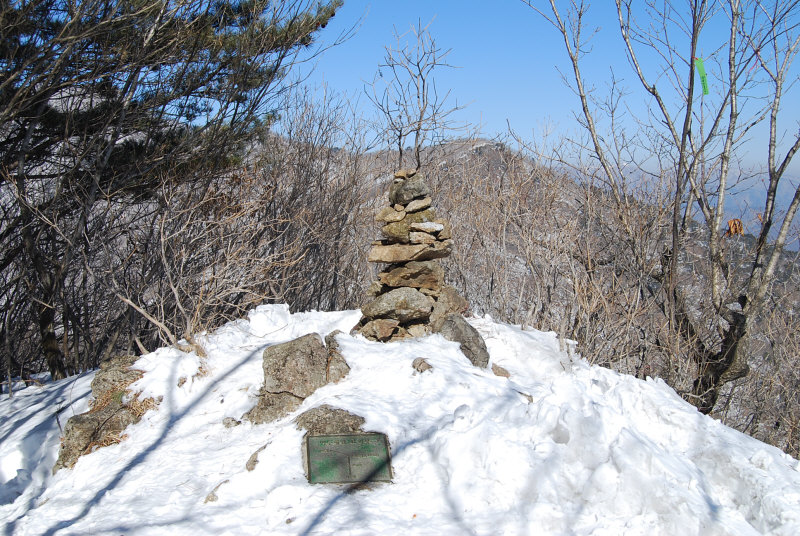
409 299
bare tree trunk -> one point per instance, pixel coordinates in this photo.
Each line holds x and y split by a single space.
7 348
52 353
696 138
727 365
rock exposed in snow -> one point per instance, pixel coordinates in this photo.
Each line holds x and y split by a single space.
109 415
562 447
326 420
420 365
114 372
380 329
292 372
296 367
337 367
448 301
456 329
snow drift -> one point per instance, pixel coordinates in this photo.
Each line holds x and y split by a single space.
560 447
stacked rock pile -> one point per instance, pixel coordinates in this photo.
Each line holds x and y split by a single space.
409 299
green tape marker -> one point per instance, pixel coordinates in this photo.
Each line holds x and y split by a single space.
701 70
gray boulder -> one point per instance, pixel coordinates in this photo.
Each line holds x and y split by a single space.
115 372
402 191
455 328
293 371
402 304
425 274
92 429
108 417
337 365
448 301
296 367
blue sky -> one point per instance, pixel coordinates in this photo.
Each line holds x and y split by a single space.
508 61
505 69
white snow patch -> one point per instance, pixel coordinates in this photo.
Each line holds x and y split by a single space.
560 447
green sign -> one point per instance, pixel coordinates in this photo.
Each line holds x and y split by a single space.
348 458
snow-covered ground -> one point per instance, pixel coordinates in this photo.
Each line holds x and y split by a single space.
559 448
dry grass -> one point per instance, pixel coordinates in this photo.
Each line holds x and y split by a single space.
108 439
202 370
117 394
140 407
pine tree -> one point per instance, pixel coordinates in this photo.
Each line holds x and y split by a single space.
103 99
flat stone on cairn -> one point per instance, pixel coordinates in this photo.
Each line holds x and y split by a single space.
409 295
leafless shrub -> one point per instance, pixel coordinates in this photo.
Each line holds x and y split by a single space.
284 228
204 247
320 172
767 405
690 144
539 247
409 105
